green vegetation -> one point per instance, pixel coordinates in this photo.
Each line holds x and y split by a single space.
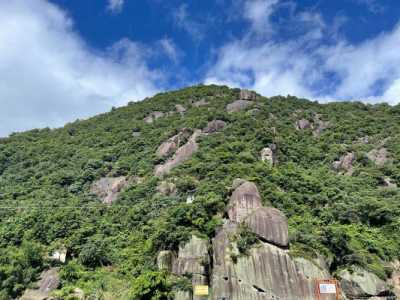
45 179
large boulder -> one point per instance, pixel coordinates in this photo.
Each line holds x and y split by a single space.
345 163
267 272
201 102
169 146
165 260
360 283
312 268
214 126
238 105
270 225
243 201
108 188
378 156
180 109
151 117
166 188
49 281
394 280
182 154
247 95
303 124
268 154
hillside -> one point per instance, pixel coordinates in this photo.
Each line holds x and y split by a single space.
122 193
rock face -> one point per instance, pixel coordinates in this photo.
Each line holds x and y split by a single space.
108 188
180 109
243 201
267 272
59 255
378 156
166 188
238 105
303 124
165 260
319 126
316 268
49 281
361 283
170 145
214 126
181 155
153 116
345 163
395 278
200 103
270 224
247 95
268 154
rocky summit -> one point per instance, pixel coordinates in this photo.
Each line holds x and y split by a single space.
208 192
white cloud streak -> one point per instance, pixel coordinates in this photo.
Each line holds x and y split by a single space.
49 76
115 6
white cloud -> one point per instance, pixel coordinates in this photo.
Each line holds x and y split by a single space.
306 65
115 6
49 76
184 21
170 49
258 12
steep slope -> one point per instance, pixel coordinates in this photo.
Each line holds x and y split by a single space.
116 190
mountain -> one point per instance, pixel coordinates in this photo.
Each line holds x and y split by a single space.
256 197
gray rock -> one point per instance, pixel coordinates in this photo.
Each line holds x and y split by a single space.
108 188
243 201
238 105
270 224
136 133
49 281
395 278
268 155
180 109
315 268
303 124
388 183
378 156
59 255
361 283
247 95
165 260
153 116
166 188
237 182
345 163
182 154
200 103
319 126
214 126
169 146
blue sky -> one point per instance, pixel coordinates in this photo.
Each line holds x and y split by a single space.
67 59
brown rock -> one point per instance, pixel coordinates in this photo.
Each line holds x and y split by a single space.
238 105
270 224
153 116
166 188
108 188
345 163
243 201
303 124
214 126
181 155
247 95
378 156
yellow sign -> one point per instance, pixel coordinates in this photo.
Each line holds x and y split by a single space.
201 290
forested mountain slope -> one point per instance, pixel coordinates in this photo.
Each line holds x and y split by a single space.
115 190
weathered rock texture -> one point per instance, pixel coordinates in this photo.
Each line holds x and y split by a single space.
388 182
214 126
247 95
49 281
166 188
180 109
395 278
315 268
108 188
238 105
319 125
170 145
303 124
270 224
267 272
182 154
345 163
59 255
268 154
200 103
165 260
153 116
243 201
378 156
361 283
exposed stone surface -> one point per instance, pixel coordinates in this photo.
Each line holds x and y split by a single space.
170 145
303 124
189 199
237 182
378 156
165 260
387 182
238 105
345 163
253 112
49 281
59 255
243 201
166 188
315 268
181 155
270 224
180 108
214 126
136 133
267 272
153 116
361 283
268 154
395 278
200 103
319 125
247 95
108 188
